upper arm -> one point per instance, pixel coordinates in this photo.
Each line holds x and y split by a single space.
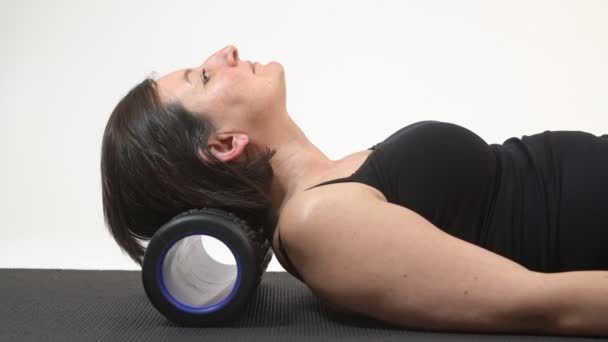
388 262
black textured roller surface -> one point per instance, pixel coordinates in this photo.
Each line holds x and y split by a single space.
87 305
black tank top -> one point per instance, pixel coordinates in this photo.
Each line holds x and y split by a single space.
491 195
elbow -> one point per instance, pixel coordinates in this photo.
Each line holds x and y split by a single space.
531 309
528 309
497 321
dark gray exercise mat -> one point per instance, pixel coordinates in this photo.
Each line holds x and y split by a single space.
88 305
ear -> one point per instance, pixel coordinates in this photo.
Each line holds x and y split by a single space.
227 147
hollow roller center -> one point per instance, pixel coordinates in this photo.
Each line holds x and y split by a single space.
193 280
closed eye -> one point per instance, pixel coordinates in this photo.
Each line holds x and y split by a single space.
204 76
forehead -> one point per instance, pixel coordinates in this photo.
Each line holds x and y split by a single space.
172 86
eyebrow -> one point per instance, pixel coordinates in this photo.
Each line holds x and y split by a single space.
187 75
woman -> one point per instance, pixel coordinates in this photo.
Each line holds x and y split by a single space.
431 228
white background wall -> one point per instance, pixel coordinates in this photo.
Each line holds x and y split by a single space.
356 71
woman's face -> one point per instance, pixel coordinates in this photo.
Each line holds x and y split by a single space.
232 93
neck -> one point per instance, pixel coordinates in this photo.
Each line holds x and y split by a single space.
297 164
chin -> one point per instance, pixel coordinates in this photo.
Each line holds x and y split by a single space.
276 65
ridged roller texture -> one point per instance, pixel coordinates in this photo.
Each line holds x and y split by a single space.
261 245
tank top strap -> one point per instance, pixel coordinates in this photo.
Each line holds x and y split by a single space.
337 180
343 179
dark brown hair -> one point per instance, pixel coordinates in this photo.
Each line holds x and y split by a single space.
151 171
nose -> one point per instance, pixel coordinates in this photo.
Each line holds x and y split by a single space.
232 54
229 55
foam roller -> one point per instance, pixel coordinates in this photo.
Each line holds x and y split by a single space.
185 284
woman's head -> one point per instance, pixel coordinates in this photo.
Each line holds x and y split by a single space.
174 144
234 95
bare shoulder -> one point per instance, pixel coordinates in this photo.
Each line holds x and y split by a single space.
295 225
301 206
386 261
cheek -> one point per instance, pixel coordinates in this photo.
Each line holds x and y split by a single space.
228 100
